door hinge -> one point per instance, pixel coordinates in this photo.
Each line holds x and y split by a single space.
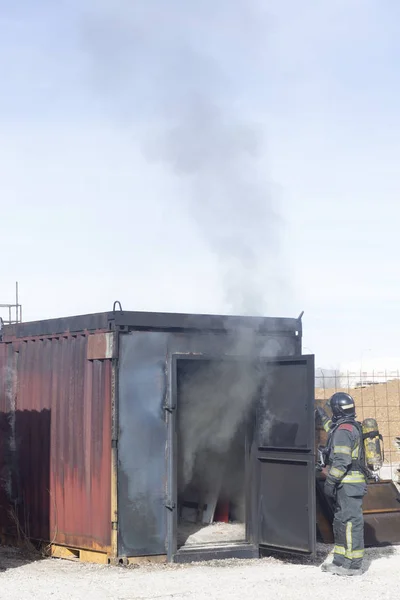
114 525
170 505
169 409
114 443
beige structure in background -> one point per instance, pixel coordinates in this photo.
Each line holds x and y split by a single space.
380 401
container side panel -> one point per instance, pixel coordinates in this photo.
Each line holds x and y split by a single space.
81 478
56 431
32 440
141 444
6 456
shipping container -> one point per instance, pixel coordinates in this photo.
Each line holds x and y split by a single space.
167 436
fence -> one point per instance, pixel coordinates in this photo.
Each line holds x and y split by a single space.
376 395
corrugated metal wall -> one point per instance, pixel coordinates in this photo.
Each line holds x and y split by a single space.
5 454
56 412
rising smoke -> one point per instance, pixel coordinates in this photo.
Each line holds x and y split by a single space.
214 401
216 408
183 67
217 154
182 70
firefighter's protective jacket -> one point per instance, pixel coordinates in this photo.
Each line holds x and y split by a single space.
344 458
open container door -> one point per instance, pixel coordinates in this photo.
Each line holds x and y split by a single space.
280 465
282 478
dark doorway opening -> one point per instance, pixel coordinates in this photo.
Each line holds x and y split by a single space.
215 416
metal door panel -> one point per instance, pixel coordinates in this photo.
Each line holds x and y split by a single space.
284 506
283 479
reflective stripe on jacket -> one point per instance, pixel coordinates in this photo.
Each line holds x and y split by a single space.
345 449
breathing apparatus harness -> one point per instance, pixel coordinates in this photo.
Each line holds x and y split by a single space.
358 464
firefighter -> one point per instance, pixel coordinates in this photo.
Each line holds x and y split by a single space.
345 484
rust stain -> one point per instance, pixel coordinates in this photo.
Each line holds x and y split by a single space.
59 405
100 346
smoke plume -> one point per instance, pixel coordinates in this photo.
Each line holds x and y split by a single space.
216 408
182 70
214 401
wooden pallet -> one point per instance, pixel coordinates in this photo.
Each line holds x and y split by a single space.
101 558
78 554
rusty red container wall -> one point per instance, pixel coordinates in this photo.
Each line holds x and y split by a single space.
5 472
63 440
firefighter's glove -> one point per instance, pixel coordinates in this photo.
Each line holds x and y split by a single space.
330 489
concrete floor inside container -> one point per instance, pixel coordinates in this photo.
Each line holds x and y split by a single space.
214 403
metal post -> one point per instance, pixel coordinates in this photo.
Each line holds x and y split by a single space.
16 301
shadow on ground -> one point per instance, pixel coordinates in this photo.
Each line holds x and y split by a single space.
186 531
14 558
322 553
324 550
372 554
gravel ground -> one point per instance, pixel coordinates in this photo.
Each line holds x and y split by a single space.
269 578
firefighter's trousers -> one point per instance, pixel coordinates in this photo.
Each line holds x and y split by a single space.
348 527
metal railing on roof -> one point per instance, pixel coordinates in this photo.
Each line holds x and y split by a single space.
11 313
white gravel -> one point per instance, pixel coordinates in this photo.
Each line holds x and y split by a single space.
190 534
267 579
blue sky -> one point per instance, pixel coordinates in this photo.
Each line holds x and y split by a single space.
108 153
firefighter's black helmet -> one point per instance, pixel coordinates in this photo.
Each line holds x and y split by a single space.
342 405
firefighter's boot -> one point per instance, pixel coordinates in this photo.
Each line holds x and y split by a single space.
335 569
